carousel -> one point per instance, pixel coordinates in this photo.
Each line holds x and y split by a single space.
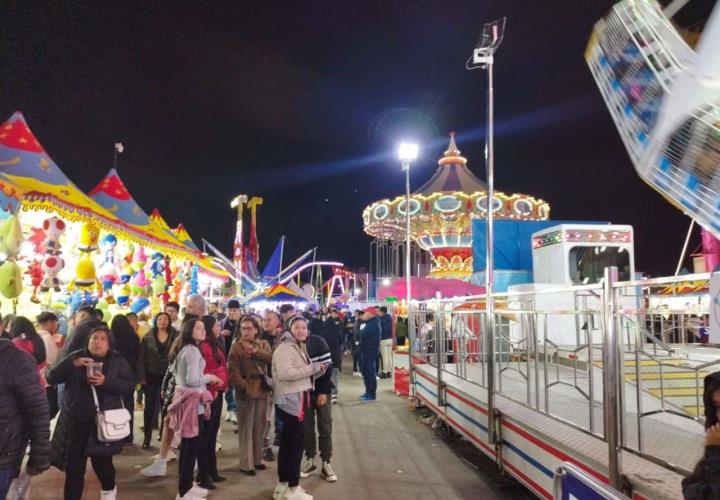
441 212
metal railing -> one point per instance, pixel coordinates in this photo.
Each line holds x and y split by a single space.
587 356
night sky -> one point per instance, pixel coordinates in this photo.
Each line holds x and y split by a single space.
303 102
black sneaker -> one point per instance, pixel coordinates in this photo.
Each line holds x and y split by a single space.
268 455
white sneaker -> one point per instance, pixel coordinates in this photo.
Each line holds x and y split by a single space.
357 374
327 473
297 493
198 491
172 455
188 496
108 495
233 418
280 490
228 416
308 468
157 469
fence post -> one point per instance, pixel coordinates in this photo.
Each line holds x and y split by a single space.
611 365
439 347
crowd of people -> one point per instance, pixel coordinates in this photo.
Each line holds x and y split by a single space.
277 374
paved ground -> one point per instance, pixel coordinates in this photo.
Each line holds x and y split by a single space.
382 451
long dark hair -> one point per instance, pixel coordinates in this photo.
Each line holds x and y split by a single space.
185 338
711 386
155 328
23 326
121 326
209 322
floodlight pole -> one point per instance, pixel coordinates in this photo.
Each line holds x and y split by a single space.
484 56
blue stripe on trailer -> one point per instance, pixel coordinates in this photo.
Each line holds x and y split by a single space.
528 458
467 417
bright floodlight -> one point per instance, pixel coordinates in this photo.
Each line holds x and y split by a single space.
407 151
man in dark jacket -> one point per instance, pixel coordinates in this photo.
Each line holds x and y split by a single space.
332 333
319 411
23 416
369 348
386 342
85 322
230 328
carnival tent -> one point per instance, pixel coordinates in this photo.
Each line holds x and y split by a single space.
206 264
28 174
111 194
280 293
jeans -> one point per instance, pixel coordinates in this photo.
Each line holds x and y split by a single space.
368 362
189 451
6 479
323 440
153 384
207 456
291 448
230 399
335 379
78 434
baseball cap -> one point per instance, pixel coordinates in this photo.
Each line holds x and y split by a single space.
371 310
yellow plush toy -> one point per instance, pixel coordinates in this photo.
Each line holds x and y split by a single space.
89 234
85 275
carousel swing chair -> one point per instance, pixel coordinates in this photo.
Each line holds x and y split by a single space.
664 98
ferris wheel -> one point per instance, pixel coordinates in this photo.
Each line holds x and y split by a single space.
664 97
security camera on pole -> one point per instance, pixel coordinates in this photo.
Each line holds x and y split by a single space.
483 57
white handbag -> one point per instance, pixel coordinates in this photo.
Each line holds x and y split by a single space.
112 425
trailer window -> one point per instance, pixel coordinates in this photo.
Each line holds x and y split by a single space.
587 264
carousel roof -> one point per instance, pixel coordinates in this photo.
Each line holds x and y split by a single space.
452 174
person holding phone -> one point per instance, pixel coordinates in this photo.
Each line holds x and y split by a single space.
318 413
292 373
107 371
249 357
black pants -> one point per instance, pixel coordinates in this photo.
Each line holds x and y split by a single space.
52 398
291 448
368 367
189 453
129 402
356 358
78 434
152 386
207 457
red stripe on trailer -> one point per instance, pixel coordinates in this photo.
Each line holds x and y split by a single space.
467 402
528 482
553 451
468 434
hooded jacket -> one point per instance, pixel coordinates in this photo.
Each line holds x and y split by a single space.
332 333
370 332
23 410
318 351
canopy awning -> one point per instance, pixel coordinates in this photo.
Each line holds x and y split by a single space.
26 168
112 195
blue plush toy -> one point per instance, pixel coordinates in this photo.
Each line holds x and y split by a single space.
158 265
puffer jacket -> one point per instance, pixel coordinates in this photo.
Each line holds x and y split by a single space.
78 402
291 367
23 410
